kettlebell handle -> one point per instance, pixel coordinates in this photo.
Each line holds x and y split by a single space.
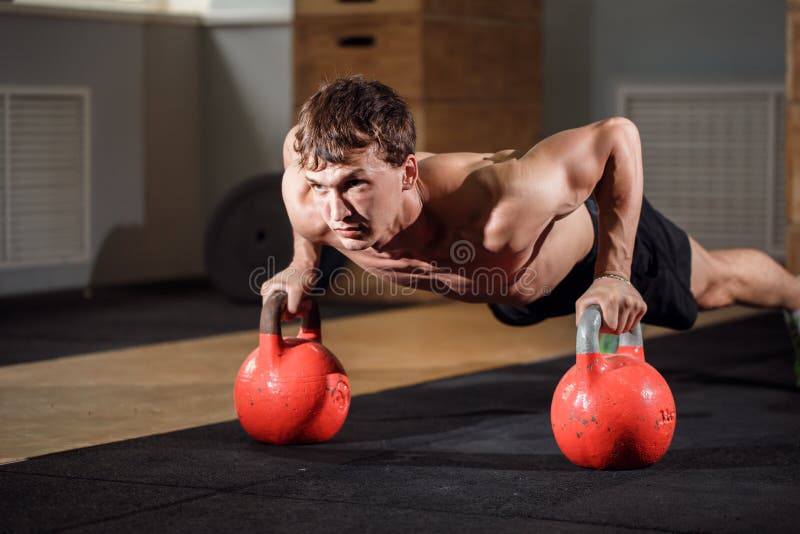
273 309
587 340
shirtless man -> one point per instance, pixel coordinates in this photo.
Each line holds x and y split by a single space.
564 225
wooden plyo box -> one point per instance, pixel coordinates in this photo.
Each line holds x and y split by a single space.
469 70
793 247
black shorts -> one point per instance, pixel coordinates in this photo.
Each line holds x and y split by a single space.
661 271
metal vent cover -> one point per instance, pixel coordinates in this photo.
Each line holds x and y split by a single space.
44 181
713 160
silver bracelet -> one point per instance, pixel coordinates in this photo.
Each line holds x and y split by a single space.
615 277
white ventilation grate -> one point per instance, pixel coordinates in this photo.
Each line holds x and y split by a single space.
45 216
713 161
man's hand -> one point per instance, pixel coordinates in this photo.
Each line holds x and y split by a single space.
297 281
621 304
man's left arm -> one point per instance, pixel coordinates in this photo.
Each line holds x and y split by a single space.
605 158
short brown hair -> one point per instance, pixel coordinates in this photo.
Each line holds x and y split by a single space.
349 114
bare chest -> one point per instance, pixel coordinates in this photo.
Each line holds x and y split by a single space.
459 267
463 271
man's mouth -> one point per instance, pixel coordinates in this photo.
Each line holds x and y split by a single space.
349 231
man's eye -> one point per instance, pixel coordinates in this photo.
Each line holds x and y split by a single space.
317 187
356 183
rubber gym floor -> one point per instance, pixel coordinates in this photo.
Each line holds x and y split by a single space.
460 443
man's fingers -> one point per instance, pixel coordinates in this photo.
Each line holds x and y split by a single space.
625 318
622 308
610 316
635 317
302 306
611 324
630 324
268 289
293 302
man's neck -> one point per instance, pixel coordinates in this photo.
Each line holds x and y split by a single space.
413 225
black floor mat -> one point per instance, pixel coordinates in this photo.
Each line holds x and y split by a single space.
469 454
52 325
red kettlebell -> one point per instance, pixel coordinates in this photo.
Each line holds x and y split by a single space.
612 411
291 390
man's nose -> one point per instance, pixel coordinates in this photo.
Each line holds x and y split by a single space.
339 209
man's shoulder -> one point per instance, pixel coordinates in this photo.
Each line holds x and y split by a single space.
447 172
454 160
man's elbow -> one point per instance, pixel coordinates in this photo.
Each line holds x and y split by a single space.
625 158
623 133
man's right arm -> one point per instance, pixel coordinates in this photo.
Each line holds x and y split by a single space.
308 228
308 231
298 278
306 252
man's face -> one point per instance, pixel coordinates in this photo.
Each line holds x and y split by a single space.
360 201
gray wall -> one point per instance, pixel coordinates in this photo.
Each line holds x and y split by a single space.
107 58
687 41
167 242
592 46
567 34
247 106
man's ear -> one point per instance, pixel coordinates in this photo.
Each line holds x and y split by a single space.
410 172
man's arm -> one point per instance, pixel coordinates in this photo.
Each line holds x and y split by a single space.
604 157
308 232
307 228
306 252
562 172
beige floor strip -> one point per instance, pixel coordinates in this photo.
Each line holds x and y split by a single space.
72 402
